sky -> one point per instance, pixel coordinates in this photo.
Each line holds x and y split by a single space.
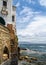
31 20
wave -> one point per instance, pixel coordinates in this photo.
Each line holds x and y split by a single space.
42 46
31 51
34 52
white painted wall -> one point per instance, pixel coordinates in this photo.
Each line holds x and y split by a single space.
8 18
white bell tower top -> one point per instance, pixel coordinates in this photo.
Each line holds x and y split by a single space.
7 11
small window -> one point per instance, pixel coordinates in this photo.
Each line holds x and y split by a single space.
5 3
13 18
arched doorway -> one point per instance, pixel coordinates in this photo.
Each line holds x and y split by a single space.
2 21
6 51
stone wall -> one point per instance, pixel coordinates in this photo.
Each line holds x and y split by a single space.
8 41
4 41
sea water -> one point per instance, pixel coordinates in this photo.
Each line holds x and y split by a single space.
35 50
36 47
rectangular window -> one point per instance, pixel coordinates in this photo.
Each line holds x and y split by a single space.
5 3
13 18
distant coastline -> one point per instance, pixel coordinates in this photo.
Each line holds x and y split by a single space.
24 42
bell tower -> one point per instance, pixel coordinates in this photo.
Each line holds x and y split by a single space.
6 10
8 13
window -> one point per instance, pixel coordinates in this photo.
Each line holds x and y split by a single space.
13 18
5 3
13 8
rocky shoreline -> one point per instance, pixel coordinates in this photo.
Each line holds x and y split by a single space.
24 60
29 60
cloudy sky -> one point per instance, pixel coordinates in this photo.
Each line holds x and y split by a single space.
31 20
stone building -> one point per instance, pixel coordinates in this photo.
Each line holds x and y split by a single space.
4 41
8 35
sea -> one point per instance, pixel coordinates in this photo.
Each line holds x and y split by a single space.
34 50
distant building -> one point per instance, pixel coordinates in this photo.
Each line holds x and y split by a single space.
8 36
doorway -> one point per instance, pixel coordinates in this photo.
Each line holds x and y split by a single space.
6 51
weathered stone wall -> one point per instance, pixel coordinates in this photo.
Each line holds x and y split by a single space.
4 41
9 40
14 40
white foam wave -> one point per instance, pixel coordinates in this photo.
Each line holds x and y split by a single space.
28 51
42 46
33 51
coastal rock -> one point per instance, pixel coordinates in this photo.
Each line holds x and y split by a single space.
26 57
28 60
33 58
21 57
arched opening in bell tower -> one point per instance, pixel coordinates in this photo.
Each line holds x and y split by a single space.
2 21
